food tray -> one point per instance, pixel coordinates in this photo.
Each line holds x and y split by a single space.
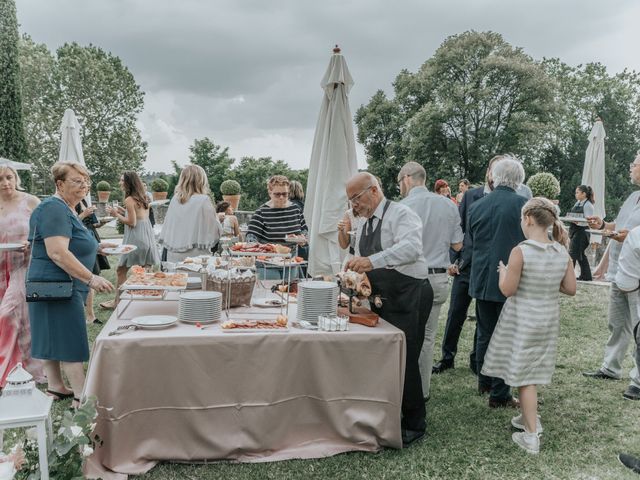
128 285
132 296
236 253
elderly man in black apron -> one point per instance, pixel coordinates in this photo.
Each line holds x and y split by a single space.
389 250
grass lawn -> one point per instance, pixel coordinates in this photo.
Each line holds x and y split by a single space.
587 422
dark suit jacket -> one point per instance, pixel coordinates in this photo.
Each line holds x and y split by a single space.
464 255
493 229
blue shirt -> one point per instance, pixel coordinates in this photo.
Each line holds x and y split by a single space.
53 218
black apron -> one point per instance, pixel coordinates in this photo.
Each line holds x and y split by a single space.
400 306
577 234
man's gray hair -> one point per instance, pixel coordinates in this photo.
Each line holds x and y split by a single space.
507 172
413 170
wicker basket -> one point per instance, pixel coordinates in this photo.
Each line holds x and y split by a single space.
241 290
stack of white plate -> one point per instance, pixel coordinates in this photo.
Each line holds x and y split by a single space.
202 307
194 283
315 299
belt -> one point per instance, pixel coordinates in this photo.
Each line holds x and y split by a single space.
432 271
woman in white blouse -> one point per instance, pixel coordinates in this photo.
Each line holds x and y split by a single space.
191 226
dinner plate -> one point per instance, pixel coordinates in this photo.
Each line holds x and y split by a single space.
299 240
120 250
154 321
268 303
10 246
201 296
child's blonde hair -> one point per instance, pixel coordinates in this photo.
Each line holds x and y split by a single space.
544 213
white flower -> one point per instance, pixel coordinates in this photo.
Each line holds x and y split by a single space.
87 451
76 431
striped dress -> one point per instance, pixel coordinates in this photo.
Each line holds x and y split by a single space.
272 225
523 347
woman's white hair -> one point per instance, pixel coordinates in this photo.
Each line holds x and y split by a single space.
507 172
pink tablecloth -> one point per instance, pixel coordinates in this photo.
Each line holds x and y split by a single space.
186 394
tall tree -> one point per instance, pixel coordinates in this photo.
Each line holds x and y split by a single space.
477 96
215 161
103 93
12 139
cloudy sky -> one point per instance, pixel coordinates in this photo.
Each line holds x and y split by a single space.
246 73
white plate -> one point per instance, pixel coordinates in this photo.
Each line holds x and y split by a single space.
203 322
577 220
154 321
200 296
254 330
299 240
318 285
268 303
10 246
119 250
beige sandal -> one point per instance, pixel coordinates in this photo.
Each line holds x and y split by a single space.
109 305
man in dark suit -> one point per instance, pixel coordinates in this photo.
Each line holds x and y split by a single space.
460 270
494 230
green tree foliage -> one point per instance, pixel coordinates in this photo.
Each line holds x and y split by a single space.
12 138
477 96
252 175
215 161
584 93
102 92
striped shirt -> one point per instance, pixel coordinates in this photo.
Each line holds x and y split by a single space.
272 225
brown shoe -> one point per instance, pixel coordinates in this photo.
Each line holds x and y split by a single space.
508 403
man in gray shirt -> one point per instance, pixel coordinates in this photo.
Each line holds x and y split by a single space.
441 231
623 313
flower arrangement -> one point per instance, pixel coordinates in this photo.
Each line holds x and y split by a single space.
545 185
73 441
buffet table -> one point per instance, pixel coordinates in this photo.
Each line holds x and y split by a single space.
188 394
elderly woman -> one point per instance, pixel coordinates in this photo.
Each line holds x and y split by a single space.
191 226
62 250
15 333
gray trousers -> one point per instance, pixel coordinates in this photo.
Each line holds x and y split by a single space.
623 318
635 373
440 284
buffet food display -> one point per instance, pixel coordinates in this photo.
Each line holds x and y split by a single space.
142 280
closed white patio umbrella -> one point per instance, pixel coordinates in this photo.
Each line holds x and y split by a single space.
593 171
14 165
333 162
70 142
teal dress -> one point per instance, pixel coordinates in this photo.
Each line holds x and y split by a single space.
58 329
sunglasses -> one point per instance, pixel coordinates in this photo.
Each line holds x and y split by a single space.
280 194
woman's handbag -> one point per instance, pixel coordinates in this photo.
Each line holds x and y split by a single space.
47 291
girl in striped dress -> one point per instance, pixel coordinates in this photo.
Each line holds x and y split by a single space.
522 350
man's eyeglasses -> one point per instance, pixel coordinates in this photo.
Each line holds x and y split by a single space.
280 194
356 198
80 183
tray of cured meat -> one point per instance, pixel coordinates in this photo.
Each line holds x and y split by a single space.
260 249
246 326
142 295
141 280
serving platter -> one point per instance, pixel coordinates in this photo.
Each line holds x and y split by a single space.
119 250
154 322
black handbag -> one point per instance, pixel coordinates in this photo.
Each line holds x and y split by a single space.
47 291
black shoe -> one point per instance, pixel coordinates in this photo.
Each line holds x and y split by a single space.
632 463
483 390
411 436
441 367
508 403
632 393
599 374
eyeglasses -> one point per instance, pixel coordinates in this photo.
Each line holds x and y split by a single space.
80 183
356 198
280 194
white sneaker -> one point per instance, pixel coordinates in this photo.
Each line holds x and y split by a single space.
518 422
530 442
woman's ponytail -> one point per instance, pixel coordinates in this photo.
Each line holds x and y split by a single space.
560 233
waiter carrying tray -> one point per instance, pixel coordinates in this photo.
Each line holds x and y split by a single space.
389 251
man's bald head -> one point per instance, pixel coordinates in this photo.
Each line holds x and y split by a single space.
412 174
364 193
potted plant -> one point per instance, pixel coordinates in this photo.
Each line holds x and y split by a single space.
159 189
545 185
230 190
104 190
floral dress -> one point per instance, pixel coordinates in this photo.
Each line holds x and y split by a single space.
15 333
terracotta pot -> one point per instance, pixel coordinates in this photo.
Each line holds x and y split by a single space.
234 200
103 196
159 195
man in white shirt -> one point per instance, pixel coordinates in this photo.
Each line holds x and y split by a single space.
441 231
628 281
389 251
623 312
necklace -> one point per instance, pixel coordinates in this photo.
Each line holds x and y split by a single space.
57 195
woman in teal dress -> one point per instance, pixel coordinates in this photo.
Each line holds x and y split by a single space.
62 247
